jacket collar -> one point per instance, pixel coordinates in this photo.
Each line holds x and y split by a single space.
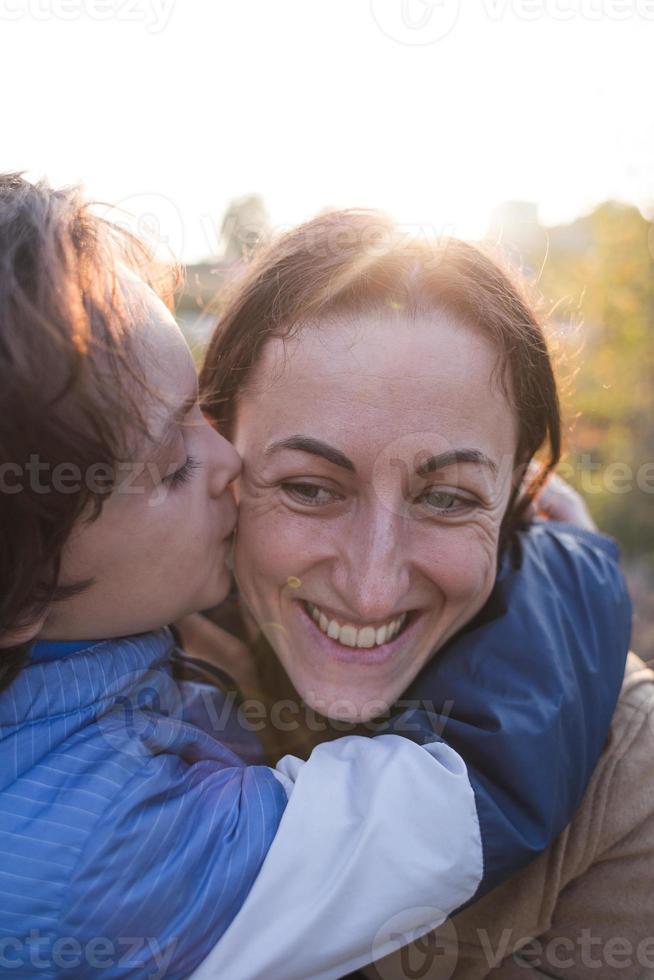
100 672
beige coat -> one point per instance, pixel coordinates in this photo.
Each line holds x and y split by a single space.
585 908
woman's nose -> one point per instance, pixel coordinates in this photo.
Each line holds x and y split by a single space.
374 568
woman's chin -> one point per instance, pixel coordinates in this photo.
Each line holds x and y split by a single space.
339 703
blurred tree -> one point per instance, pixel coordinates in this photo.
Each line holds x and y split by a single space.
600 272
245 225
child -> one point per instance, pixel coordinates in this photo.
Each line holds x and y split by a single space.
137 831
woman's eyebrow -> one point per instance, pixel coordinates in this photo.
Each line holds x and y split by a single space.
452 457
315 447
307 444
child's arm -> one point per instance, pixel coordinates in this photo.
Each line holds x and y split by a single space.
285 873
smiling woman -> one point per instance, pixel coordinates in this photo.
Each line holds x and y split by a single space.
388 402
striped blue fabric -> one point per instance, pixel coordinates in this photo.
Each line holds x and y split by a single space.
112 800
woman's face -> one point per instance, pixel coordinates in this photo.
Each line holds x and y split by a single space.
378 454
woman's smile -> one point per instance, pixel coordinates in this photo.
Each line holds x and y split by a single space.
340 628
348 643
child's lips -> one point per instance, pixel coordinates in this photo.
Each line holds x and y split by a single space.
232 519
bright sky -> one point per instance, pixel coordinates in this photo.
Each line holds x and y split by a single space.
432 112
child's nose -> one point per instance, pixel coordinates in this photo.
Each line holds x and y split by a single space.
227 463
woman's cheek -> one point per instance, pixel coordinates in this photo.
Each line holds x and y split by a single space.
267 552
465 568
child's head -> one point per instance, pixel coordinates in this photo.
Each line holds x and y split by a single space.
114 505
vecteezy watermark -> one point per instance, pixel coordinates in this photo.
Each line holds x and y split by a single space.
421 22
159 221
407 946
415 22
154 14
588 949
134 478
402 472
40 951
370 235
434 955
566 10
615 477
153 218
421 475
148 705
145 712
410 717
145 715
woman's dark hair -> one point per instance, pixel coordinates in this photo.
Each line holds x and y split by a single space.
67 392
358 261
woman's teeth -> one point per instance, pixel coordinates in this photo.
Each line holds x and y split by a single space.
350 636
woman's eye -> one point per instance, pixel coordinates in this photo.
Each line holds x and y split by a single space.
310 493
183 474
442 500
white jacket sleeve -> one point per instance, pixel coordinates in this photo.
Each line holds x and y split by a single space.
379 842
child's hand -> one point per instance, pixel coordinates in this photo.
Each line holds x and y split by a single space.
560 502
201 638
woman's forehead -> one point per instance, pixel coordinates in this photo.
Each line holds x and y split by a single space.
384 346
382 376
